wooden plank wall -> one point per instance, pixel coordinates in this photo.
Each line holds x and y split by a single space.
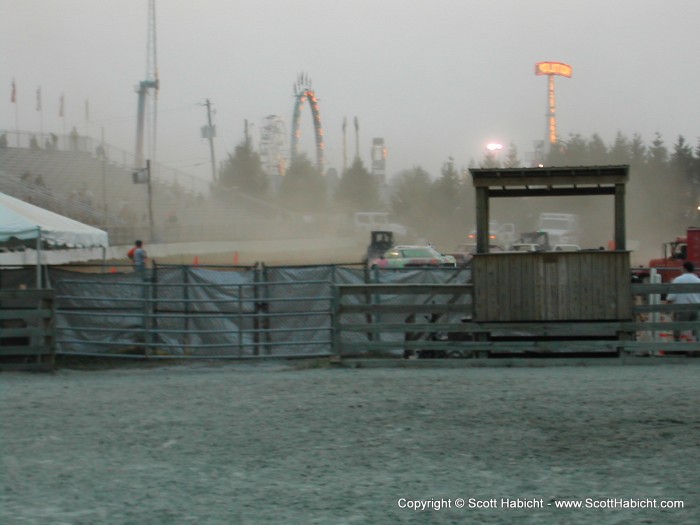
641 336
26 329
564 286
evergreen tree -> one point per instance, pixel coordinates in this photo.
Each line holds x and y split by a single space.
682 158
621 151
448 206
638 151
576 151
696 168
446 188
410 202
243 171
358 189
303 188
682 166
490 161
512 160
657 154
556 155
597 151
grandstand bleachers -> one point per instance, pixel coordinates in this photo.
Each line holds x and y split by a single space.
88 185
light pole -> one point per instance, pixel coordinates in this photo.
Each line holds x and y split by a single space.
143 176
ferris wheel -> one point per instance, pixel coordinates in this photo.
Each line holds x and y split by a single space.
274 148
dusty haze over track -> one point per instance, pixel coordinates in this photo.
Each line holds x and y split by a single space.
433 79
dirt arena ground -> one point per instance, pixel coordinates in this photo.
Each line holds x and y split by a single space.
280 444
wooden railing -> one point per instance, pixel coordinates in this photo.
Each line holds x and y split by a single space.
26 329
438 322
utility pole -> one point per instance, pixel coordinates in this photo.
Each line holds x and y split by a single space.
103 158
209 132
150 199
357 138
345 145
143 176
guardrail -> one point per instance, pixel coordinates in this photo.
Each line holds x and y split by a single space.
370 319
26 329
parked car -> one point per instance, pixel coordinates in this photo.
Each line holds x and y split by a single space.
566 248
503 235
526 247
412 257
463 253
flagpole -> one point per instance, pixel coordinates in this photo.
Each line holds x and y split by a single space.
13 99
87 118
63 114
41 124
40 109
17 123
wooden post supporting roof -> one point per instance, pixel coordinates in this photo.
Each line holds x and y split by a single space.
549 182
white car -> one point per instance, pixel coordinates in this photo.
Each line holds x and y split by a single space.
525 247
566 248
412 257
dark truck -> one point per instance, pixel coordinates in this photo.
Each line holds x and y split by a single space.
380 242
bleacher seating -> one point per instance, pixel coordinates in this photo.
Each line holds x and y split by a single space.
99 190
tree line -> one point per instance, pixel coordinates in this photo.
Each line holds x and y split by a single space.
663 191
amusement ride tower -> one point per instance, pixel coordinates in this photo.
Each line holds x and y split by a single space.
551 69
303 93
148 94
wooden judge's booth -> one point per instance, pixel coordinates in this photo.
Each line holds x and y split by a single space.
549 287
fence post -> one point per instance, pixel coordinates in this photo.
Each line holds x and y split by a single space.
654 299
47 325
240 318
256 317
186 297
265 311
335 321
147 294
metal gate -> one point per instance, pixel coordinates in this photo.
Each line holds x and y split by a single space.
193 314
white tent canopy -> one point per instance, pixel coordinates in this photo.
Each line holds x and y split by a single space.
24 223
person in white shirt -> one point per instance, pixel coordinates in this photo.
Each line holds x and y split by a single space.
688 276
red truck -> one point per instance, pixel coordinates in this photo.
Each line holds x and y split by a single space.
684 248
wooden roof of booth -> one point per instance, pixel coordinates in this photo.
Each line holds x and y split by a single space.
549 182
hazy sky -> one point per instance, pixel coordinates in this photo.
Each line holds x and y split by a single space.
434 78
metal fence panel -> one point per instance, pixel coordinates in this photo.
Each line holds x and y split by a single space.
215 312
197 312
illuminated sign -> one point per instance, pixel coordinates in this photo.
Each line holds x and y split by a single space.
553 68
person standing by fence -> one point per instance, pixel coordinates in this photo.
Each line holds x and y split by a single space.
688 276
139 256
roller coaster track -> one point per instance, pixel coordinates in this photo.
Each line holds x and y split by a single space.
303 93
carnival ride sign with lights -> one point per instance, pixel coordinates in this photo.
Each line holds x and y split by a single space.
553 68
